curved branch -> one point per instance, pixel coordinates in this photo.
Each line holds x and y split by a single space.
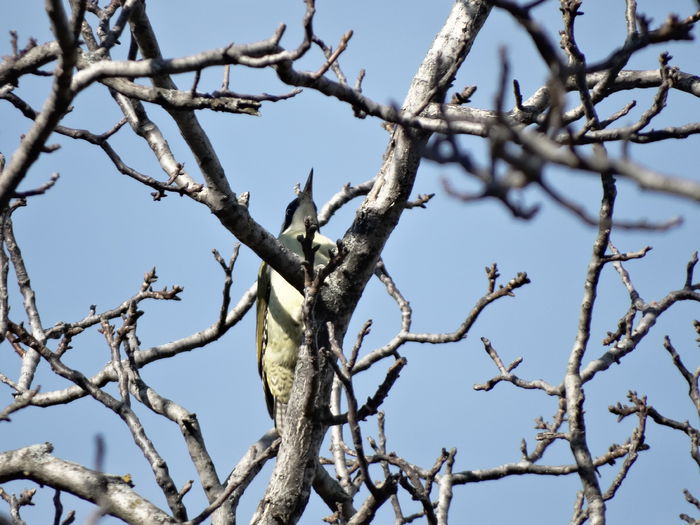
458 334
112 493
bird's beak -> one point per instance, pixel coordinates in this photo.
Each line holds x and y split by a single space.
308 187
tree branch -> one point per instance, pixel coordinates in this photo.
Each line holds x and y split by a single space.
112 492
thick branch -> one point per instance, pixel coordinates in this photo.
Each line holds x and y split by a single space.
112 493
288 491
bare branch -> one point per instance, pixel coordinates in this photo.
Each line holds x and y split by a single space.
30 359
640 406
122 409
119 499
690 377
239 479
521 468
54 108
345 195
145 356
228 272
573 381
21 400
650 313
445 497
505 374
402 337
40 190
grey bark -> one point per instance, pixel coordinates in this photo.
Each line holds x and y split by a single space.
289 488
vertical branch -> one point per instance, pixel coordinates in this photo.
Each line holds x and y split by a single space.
344 375
337 443
227 75
381 448
631 17
287 493
31 358
445 494
228 281
572 382
107 331
405 307
4 270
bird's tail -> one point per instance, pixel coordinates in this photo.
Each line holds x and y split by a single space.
280 414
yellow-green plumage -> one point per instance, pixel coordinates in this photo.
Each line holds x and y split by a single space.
279 324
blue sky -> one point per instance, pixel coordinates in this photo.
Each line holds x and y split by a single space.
91 238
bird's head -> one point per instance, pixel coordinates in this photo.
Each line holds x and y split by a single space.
301 208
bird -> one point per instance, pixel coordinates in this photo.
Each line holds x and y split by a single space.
279 326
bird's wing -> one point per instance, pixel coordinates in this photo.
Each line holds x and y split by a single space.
261 329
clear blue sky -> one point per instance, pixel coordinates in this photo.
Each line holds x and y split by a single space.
91 238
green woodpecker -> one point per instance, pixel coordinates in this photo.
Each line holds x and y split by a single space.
279 326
